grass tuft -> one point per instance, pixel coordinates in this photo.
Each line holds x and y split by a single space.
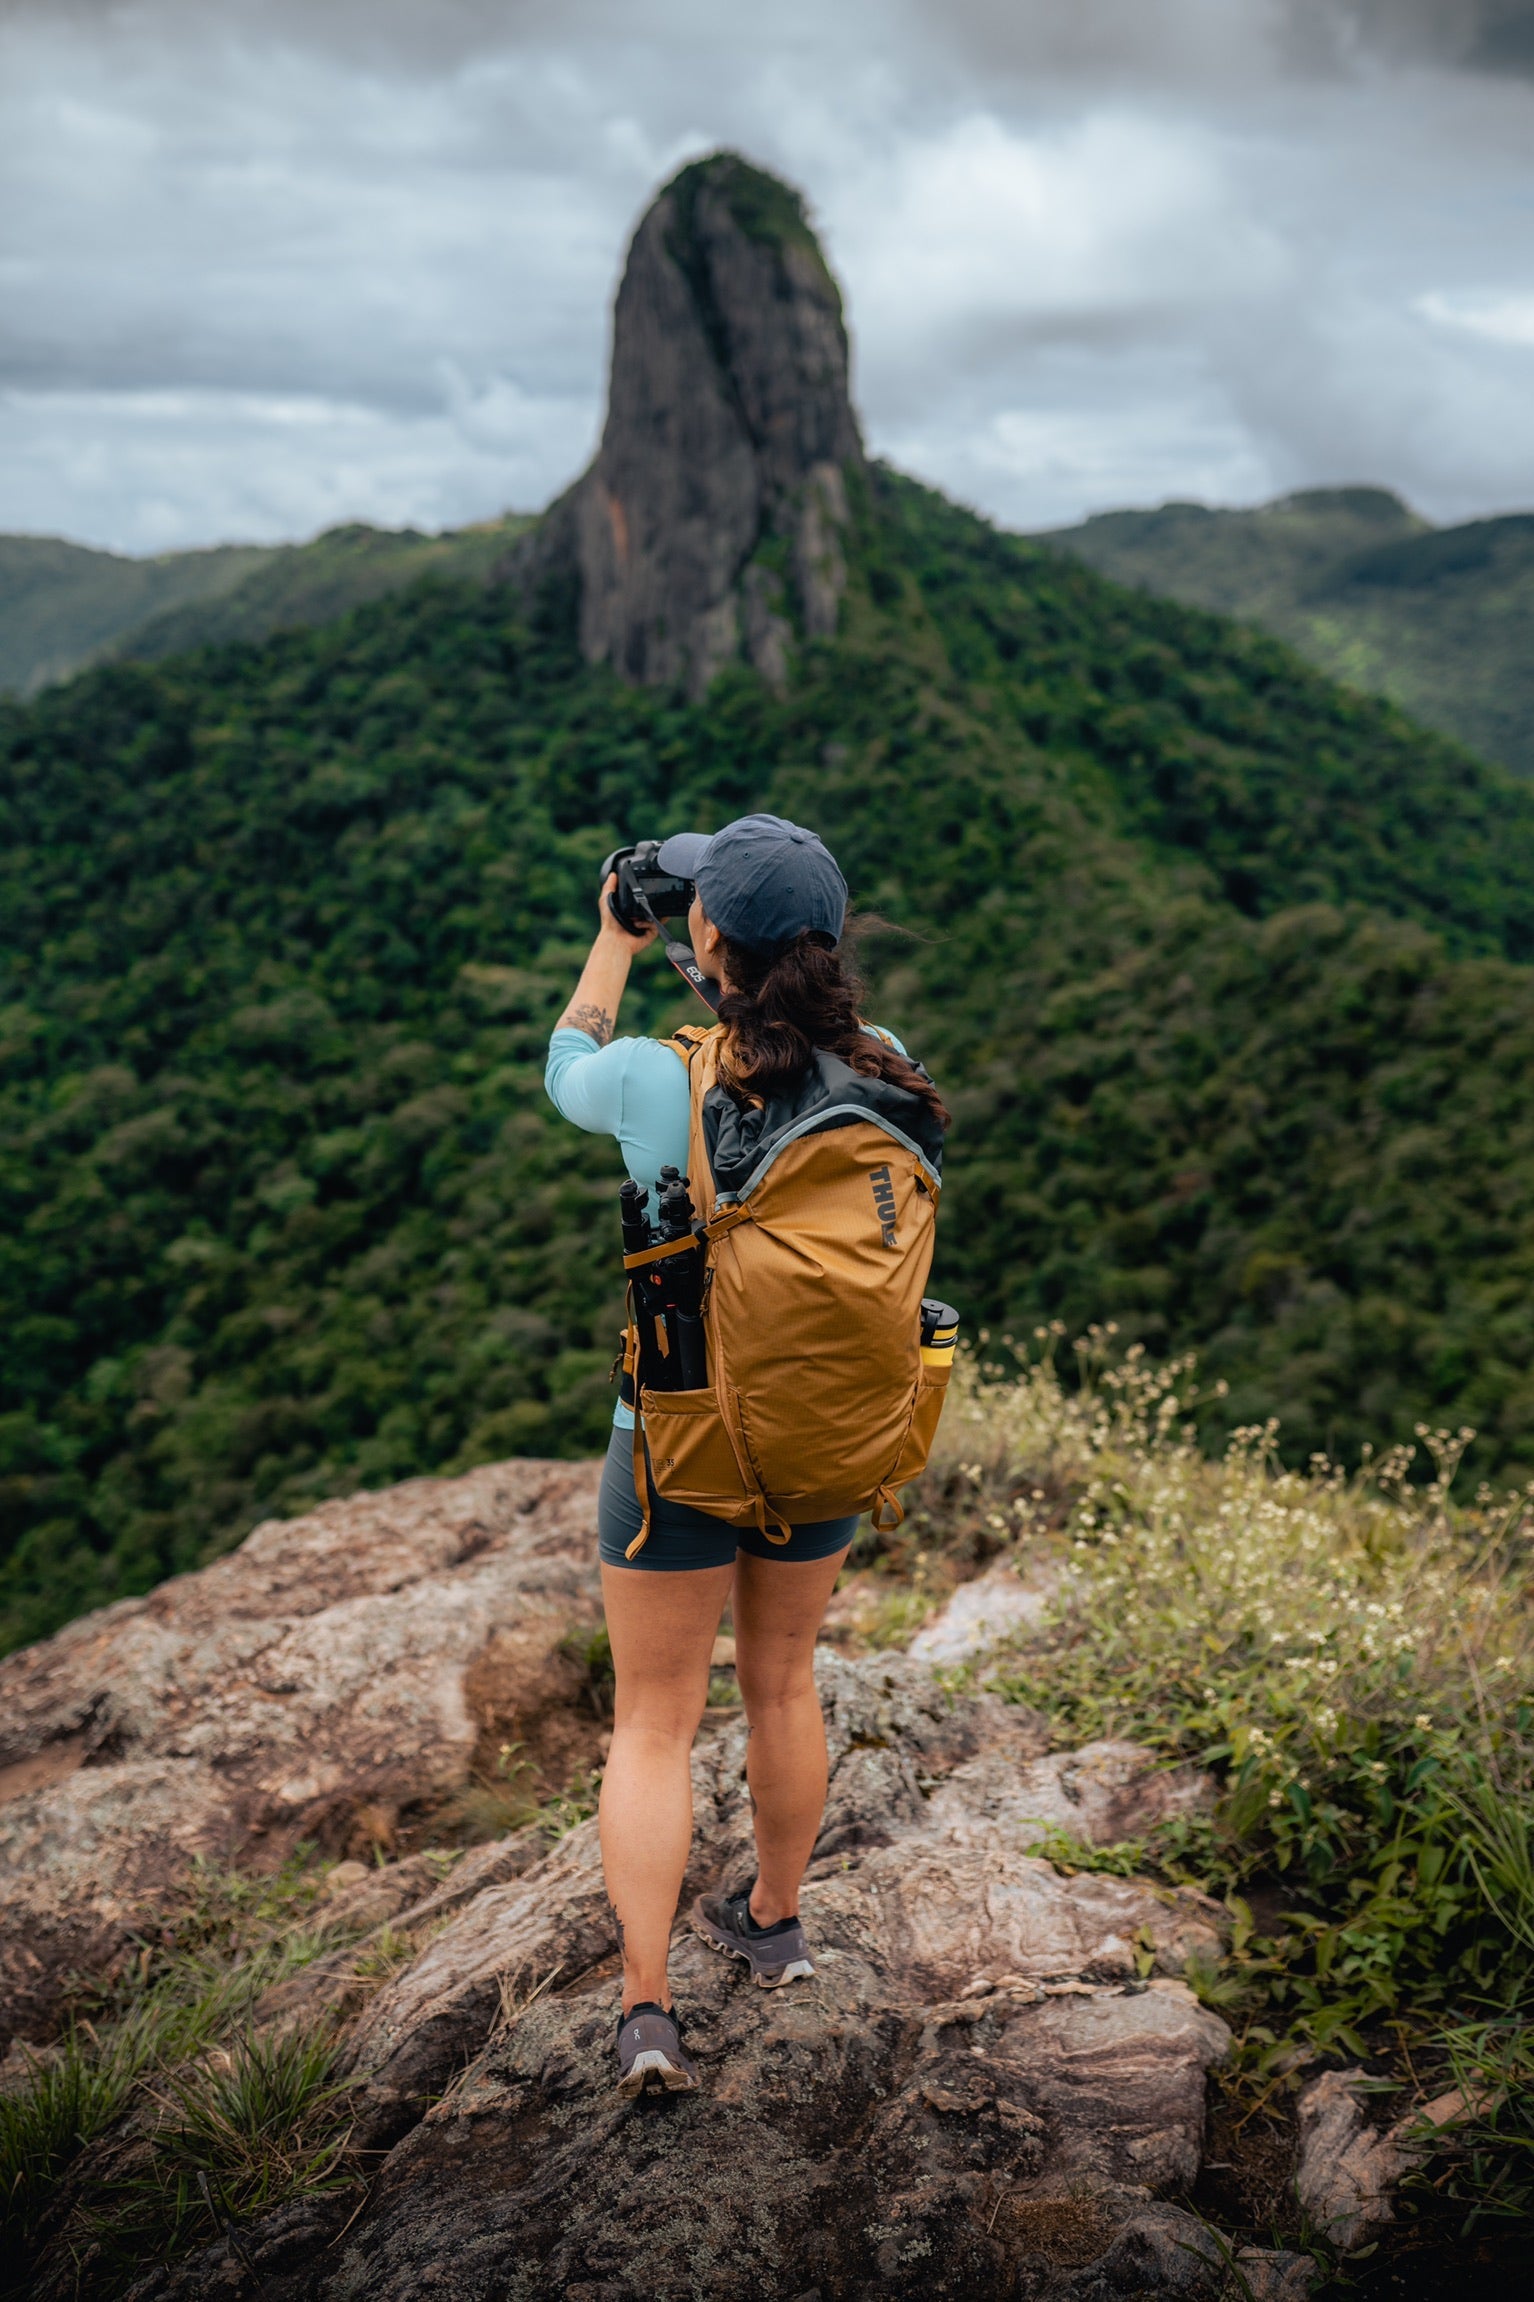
229 2138
183 2003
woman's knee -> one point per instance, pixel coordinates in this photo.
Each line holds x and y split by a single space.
775 1684
667 1713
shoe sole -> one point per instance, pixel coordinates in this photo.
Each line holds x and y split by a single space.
653 2064
765 1978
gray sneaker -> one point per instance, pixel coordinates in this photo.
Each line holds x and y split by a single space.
775 1954
650 2046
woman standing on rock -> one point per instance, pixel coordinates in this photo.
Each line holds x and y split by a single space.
814 1146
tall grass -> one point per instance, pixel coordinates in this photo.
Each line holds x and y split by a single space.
68 2100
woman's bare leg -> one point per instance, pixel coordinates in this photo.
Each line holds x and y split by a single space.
662 1629
779 1607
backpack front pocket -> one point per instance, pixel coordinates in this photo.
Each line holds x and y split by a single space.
692 1455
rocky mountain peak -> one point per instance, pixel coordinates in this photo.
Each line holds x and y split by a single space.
710 525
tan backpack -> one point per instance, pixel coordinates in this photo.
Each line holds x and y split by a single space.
819 1212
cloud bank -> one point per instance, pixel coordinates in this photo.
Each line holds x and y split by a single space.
267 267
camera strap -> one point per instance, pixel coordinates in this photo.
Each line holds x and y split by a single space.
681 958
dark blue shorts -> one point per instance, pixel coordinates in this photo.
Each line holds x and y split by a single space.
681 1538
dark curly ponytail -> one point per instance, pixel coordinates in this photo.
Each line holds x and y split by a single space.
778 1011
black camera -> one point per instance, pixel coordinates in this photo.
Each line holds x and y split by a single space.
645 895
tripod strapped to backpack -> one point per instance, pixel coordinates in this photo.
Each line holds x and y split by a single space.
665 1264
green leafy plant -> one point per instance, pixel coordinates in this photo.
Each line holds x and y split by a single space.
576 1804
1126 1858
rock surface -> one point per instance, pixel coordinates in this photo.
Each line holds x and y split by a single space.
710 525
982 1613
1347 2168
995 2083
989 2087
341 1664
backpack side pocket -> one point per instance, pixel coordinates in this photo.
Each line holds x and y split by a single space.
926 1412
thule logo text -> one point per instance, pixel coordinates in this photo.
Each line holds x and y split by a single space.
884 1203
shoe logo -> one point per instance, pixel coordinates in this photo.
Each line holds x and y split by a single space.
884 1203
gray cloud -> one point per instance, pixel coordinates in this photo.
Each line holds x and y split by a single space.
1471 35
265 267
1211 43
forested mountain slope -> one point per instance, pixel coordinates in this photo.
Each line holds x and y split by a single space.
1213 956
63 606
1224 968
1439 619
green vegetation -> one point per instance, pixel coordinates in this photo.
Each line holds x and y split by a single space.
1437 619
61 604
1350 1656
1353 1658
766 209
299 585
1223 968
62 607
504 1797
232 2140
223 2119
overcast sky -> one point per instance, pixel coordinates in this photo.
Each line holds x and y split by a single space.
266 265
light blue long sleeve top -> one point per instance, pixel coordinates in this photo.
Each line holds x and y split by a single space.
636 1090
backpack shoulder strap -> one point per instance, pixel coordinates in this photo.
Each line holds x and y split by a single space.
693 1046
685 1043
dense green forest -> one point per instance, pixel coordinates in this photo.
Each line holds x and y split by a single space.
1224 968
1438 619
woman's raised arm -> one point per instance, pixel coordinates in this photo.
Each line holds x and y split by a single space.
594 1005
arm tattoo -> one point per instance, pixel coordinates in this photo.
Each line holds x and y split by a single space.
594 1021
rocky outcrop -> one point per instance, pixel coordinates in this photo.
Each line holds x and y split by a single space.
921 1873
985 1613
994 2084
710 525
334 1667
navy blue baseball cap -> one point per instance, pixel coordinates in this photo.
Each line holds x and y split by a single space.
762 880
